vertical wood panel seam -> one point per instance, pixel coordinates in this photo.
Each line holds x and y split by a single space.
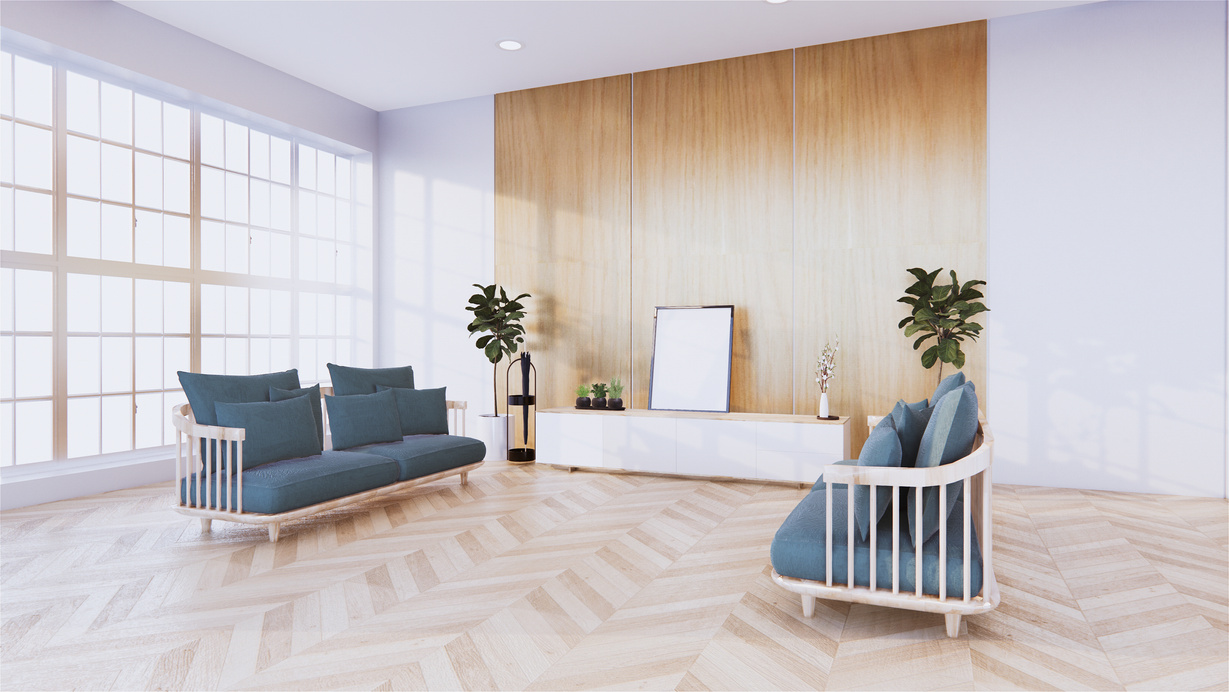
793 232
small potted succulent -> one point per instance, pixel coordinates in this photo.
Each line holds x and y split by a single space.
582 396
616 395
599 395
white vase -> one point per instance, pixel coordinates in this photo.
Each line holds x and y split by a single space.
823 405
495 436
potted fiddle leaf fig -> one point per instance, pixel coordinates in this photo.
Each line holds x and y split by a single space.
498 318
943 312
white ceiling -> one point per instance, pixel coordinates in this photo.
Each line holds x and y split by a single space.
388 54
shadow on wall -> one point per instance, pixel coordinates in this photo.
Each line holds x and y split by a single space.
1088 414
441 246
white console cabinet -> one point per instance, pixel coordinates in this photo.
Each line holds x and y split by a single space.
755 446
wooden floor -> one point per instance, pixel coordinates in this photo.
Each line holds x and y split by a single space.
535 578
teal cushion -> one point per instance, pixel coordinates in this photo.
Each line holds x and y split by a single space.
949 436
422 411
910 420
203 391
313 396
275 430
348 380
882 448
293 483
949 384
363 419
423 455
799 550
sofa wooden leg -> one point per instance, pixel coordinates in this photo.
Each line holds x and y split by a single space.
953 624
808 605
206 525
274 530
465 478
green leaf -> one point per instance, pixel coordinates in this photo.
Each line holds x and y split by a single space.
930 356
488 291
492 351
948 350
914 328
940 292
905 321
484 340
973 309
947 324
918 273
917 344
924 314
959 362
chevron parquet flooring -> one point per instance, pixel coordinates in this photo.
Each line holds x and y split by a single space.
534 578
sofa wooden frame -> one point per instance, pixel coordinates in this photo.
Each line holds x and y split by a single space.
974 472
218 485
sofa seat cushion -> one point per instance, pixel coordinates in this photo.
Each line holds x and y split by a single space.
798 550
423 455
289 484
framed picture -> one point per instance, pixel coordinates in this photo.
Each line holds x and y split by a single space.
693 350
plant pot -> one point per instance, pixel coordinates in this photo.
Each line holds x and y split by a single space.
599 402
615 404
494 431
583 402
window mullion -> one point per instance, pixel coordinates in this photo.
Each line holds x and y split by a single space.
59 249
194 341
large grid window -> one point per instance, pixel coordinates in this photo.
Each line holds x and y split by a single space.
140 236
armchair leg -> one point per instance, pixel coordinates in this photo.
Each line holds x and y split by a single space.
953 624
808 605
206 525
465 478
274 530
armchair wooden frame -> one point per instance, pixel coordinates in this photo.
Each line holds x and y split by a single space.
973 471
213 497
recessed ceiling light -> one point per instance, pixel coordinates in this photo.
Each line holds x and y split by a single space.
510 45
775 2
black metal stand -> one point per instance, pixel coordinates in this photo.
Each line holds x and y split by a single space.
524 454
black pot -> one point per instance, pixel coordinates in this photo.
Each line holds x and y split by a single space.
599 402
582 402
615 404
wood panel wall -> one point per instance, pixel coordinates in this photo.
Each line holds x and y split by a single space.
563 227
891 175
798 186
712 158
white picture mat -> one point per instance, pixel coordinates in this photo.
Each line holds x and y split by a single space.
691 359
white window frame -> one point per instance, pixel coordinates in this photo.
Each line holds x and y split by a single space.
60 264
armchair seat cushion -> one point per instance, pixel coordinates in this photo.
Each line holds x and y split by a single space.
798 549
423 455
289 484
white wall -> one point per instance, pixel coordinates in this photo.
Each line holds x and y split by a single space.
1106 247
128 39
436 235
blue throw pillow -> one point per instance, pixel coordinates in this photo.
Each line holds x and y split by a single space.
910 420
275 430
422 411
348 380
882 448
949 384
363 419
203 391
949 436
313 397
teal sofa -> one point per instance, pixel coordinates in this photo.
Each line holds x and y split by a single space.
256 454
